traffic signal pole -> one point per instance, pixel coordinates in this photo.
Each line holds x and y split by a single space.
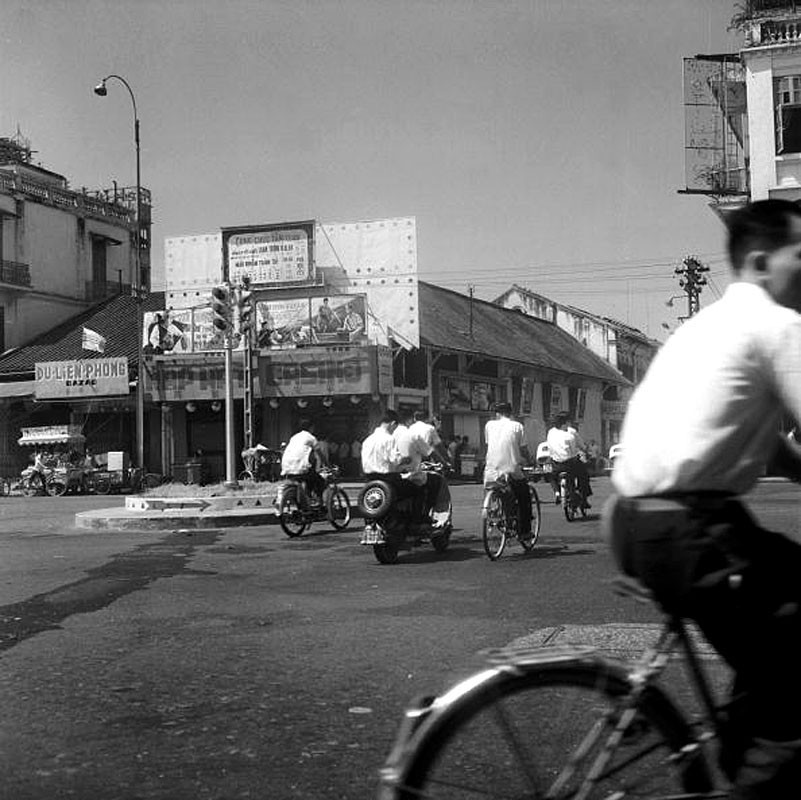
222 308
246 320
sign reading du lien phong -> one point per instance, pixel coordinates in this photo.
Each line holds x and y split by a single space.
93 377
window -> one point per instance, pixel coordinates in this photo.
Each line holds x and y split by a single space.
787 96
99 266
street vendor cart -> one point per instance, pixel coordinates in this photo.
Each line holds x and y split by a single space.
57 441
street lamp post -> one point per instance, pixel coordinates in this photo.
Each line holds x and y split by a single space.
138 290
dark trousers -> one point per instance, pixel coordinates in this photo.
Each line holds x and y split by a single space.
523 496
705 558
574 467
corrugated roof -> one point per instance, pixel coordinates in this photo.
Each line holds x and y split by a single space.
114 319
504 333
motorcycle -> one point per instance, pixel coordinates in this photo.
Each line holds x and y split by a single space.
296 512
393 524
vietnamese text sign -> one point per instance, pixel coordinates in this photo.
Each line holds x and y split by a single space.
269 254
175 379
290 373
92 377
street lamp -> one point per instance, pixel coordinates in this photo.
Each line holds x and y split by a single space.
137 289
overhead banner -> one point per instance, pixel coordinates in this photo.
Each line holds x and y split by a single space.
269 255
94 377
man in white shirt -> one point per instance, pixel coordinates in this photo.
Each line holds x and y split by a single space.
302 457
381 457
507 452
699 431
566 446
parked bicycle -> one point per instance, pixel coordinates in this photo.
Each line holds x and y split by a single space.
564 722
499 516
296 513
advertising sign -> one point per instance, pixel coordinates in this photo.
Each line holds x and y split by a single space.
290 373
167 331
95 377
270 255
282 323
189 379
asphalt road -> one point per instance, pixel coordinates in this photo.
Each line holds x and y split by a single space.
237 663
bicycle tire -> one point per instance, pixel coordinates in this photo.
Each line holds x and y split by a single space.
469 747
245 475
56 487
338 509
494 524
290 516
528 542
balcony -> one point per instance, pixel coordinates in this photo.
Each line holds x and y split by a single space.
121 208
14 273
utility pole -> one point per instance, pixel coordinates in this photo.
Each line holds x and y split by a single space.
692 280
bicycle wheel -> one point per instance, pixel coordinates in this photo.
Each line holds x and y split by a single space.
245 475
290 516
536 731
528 542
102 486
56 486
338 509
494 524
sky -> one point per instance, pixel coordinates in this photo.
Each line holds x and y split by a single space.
538 143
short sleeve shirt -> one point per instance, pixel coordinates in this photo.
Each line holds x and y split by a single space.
505 440
296 458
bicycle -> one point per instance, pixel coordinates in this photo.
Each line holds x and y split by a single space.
499 516
600 729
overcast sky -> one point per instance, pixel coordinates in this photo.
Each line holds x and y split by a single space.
537 142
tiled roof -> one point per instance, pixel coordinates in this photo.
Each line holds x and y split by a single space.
445 322
114 319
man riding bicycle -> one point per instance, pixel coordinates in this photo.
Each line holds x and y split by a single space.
566 448
698 433
507 452
303 457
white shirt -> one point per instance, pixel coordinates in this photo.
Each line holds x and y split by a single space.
296 458
505 438
427 432
705 417
411 443
564 445
380 452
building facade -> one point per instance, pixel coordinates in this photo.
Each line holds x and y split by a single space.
627 349
60 250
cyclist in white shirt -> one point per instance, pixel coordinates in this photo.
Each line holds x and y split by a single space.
715 394
302 457
507 452
566 447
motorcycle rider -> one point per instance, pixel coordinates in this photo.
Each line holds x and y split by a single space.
381 457
302 458
419 440
507 452
566 446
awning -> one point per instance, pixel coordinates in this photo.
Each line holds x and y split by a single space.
16 389
52 434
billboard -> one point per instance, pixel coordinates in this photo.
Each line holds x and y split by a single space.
270 255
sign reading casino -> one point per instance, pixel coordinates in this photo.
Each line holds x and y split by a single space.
92 377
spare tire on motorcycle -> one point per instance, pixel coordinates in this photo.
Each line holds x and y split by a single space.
376 498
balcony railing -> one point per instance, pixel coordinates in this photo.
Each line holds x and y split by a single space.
92 204
15 273
100 291
762 33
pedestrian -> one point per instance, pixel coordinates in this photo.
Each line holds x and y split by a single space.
716 392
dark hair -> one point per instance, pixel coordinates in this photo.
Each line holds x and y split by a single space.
306 424
561 418
389 416
763 225
503 408
420 415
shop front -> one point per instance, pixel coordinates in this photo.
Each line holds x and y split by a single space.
344 390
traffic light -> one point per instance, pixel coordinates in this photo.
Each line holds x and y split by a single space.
221 308
245 305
